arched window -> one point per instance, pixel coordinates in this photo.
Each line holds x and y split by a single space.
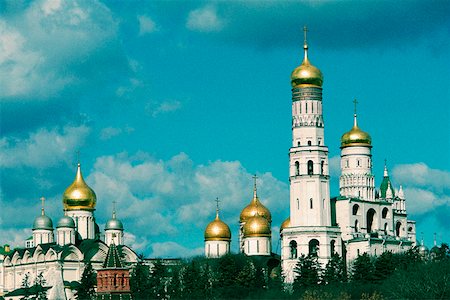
355 209
371 220
311 203
298 144
384 213
321 167
358 163
298 204
293 249
397 228
306 107
310 167
356 226
313 247
309 143
410 229
297 168
332 246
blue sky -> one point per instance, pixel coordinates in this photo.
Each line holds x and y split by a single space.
174 103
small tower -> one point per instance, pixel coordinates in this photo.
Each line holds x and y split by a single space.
251 210
42 228
386 189
113 280
257 236
217 237
114 229
357 180
65 231
79 203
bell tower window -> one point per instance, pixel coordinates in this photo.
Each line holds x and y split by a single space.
297 168
310 167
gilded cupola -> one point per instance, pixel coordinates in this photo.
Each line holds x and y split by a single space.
217 230
356 137
286 223
306 73
257 226
254 207
79 196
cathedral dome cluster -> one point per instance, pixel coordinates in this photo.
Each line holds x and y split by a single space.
79 196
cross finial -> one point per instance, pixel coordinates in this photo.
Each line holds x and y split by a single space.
78 157
305 32
355 102
254 185
217 207
114 209
42 205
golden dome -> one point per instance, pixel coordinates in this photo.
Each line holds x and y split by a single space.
286 223
356 137
217 230
79 196
306 73
257 226
255 206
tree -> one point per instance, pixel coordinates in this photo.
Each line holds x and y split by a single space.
174 285
88 281
307 270
39 291
139 281
363 269
26 286
335 271
384 266
157 281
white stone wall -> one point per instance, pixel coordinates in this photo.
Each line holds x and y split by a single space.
114 235
214 249
257 246
65 236
84 222
42 236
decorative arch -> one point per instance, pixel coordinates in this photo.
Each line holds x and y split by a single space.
385 213
355 210
313 247
297 168
293 249
398 226
51 255
129 255
310 167
371 220
71 253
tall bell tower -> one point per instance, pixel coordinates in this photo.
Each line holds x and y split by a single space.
311 229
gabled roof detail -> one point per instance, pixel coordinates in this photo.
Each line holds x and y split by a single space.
112 260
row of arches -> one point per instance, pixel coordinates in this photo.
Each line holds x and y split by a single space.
310 168
313 248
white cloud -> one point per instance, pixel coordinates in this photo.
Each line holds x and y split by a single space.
146 25
204 19
39 46
419 174
172 249
155 109
43 148
334 166
110 132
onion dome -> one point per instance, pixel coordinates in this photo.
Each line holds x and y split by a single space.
254 207
306 73
66 222
257 226
286 223
113 223
356 137
217 230
43 222
79 196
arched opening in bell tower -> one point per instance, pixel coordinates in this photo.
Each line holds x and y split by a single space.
397 228
293 249
371 217
313 247
297 168
310 167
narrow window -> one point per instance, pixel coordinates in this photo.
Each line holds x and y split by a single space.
298 204
306 107
257 246
358 163
293 249
310 167
297 168
332 246
346 163
298 144
311 203
309 143
321 167
217 249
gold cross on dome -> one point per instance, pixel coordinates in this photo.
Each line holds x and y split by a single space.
305 31
217 203
355 102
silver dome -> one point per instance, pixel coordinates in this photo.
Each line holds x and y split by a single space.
66 222
114 224
43 222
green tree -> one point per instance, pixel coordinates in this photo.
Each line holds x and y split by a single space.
39 289
335 270
139 281
157 281
385 265
26 286
174 285
227 272
86 289
307 270
363 269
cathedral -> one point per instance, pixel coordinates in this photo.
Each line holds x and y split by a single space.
61 255
362 219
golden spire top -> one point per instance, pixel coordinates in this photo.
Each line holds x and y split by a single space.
305 42
42 205
217 208
355 137
255 194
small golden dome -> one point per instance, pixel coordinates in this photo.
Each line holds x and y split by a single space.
254 207
286 223
79 196
257 226
217 230
306 73
356 137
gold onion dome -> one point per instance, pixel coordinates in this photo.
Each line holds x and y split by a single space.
306 73
217 230
355 137
254 207
286 223
257 226
79 196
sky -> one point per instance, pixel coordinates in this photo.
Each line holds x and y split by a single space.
174 103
